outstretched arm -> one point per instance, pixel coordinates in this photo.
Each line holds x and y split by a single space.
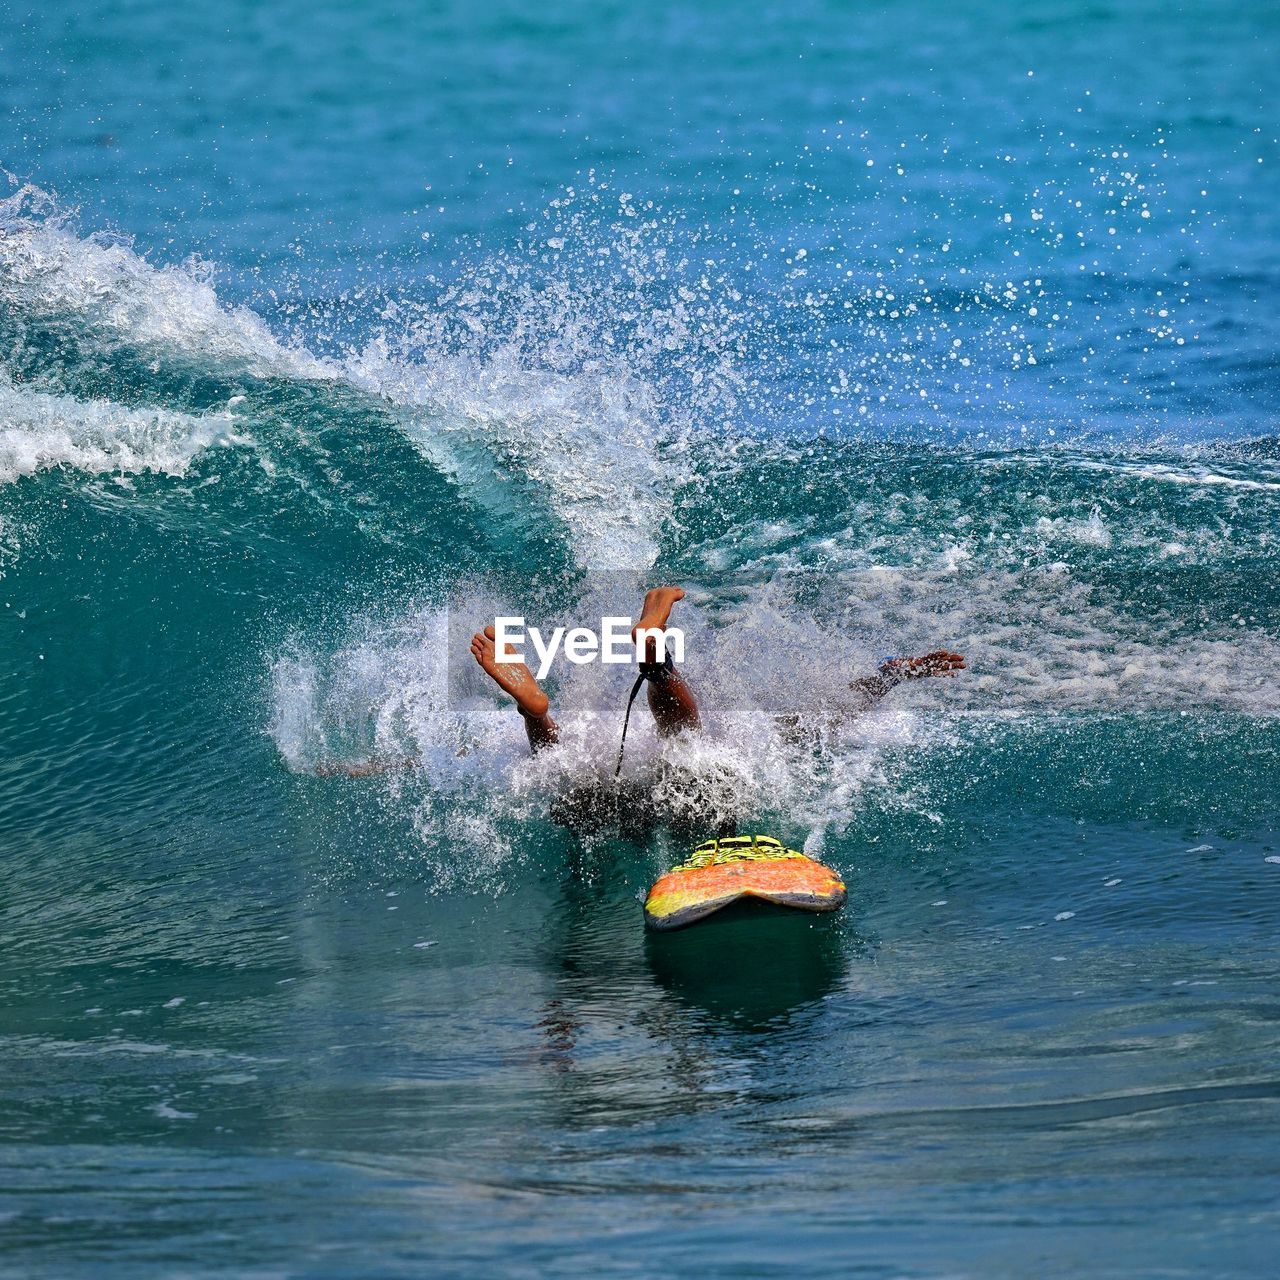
893 671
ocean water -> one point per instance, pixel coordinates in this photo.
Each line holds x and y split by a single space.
327 333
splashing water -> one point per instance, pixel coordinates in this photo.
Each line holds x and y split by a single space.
589 388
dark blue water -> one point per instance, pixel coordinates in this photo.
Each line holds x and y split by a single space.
326 335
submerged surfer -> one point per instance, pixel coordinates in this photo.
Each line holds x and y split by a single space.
674 709
703 800
670 698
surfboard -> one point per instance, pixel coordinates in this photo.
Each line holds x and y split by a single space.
728 870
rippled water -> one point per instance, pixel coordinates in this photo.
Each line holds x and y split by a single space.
325 337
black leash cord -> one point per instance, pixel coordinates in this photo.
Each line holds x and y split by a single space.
622 746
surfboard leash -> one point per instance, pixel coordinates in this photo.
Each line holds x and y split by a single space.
648 671
626 720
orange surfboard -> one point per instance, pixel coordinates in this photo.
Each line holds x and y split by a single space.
724 871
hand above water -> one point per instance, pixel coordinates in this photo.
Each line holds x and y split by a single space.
941 662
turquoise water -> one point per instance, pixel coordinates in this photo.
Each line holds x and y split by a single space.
327 334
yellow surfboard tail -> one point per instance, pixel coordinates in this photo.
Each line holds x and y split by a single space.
721 872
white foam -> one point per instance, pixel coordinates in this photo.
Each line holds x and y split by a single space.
122 299
1092 532
1164 473
40 431
1042 637
575 437
571 379
583 445
167 1112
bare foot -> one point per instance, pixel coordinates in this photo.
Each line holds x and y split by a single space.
511 677
654 614
940 662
